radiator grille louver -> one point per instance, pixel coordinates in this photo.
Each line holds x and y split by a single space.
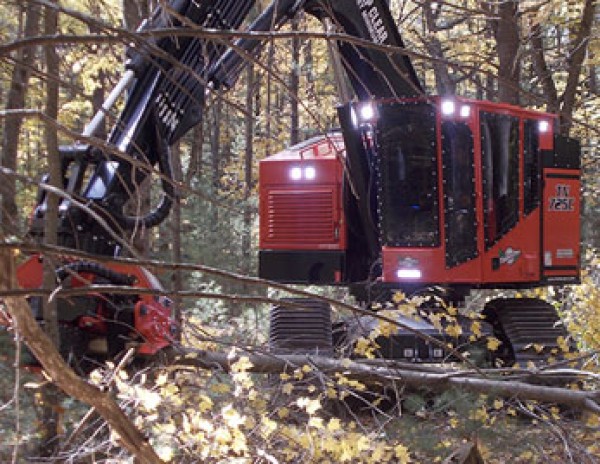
301 216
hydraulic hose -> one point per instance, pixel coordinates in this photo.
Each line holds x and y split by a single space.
160 213
99 270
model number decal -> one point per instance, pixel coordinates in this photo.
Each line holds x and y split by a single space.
562 201
373 21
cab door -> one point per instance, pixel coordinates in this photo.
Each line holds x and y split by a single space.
510 190
459 201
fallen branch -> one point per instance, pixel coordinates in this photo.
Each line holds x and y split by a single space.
435 381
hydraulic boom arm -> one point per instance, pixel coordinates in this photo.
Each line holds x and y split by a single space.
167 79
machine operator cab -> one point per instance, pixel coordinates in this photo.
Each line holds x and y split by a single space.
454 192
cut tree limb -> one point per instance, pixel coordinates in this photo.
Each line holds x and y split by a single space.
270 363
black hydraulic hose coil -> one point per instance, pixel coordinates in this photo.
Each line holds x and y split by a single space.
160 213
97 269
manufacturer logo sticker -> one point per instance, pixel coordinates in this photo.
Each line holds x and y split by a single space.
509 256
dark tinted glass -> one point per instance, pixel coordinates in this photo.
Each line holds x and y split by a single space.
408 193
531 158
459 193
500 154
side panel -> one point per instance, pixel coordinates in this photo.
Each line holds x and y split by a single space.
561 225
516 256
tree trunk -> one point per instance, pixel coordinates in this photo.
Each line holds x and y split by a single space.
54 165
593 80
12 125
295 86
195 167
268 104
248 165
506 33
444 83
541 68
134 11
177 278
215 154
50 399
576 56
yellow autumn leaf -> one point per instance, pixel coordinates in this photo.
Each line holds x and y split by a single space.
480 414
313 406
365 347
238 444
287 388
165 453
204 424
160 380
493 343
148 399
363 443
454 330
526 456
169 428
310 406
268 426
386 329
398 297
538 347
331 393
379 453
334 424
436 320
231 417
223 436
259 405
220 388
562 344
205 403
242 365
401 453
306 368
476 328
316 422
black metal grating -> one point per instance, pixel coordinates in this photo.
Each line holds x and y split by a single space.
305 330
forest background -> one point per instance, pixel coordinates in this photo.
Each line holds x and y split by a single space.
58 62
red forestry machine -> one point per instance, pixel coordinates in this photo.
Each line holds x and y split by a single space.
428 195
